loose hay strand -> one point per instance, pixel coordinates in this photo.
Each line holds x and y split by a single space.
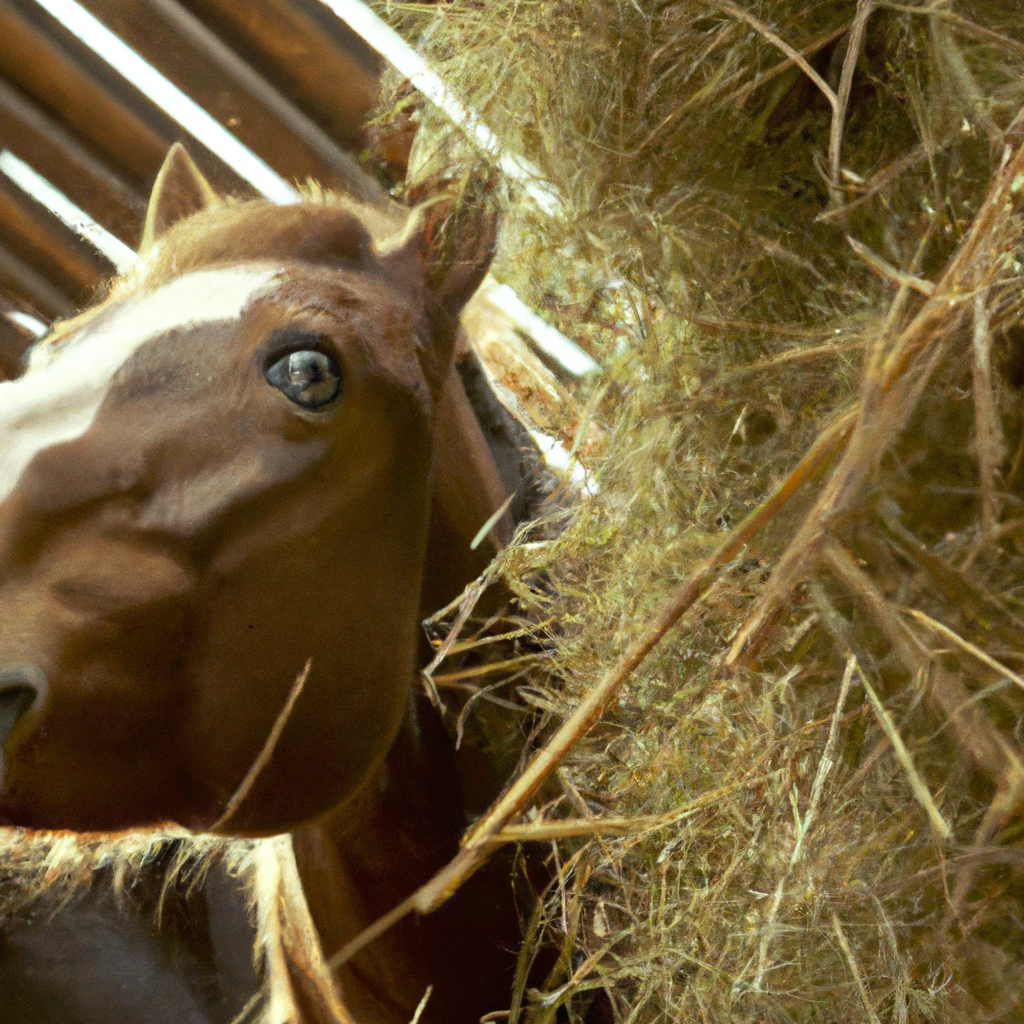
825 766
851 959
422 1005
794 55
920 790
966 645
267 750
988 433
855 40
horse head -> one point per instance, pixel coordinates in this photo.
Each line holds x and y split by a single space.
220 471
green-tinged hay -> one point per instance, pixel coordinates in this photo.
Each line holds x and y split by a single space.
777 220
159 874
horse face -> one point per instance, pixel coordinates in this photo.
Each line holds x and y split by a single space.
209 482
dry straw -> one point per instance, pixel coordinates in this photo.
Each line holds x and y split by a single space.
778 767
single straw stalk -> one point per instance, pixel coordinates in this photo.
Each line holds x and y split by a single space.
855 41
267 750
987 433
851 960
803 827
978 737
917 785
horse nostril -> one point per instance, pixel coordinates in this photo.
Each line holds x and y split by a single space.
21 686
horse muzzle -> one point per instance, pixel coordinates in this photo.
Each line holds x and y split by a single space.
22 687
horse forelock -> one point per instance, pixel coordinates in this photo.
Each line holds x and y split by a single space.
324 229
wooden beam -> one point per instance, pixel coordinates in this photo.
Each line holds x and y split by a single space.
87 181
353 179
93 101
55 73
40 241
326 70
73 118
13 343
15 340
191 56
32 289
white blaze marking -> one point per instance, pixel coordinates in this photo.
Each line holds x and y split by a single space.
57 400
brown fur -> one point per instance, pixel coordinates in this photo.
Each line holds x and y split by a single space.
192 613
160 528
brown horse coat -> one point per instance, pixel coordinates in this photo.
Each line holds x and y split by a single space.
177 537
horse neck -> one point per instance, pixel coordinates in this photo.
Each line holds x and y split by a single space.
467 490
364 857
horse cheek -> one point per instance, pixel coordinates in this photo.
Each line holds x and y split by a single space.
331 573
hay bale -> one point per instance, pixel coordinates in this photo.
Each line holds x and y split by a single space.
792 236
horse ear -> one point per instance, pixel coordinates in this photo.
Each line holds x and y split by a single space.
451 240
445 248
179 191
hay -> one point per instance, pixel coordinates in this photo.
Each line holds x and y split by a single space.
158 875
786 229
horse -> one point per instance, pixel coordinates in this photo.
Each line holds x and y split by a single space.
255 453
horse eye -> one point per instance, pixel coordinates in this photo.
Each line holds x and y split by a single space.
308 377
